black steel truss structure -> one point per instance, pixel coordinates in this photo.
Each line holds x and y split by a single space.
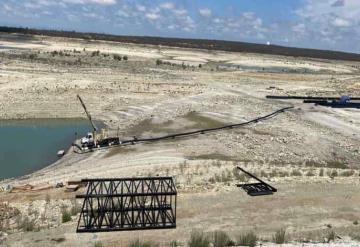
128 204
256 189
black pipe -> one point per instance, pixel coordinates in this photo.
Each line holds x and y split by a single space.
307 97
203 131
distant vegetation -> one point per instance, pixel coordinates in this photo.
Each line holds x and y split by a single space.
77 57
194 43
183 65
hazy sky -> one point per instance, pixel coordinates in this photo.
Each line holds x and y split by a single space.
324 24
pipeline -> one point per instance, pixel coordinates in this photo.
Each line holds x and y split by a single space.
334 102
190 133
307 97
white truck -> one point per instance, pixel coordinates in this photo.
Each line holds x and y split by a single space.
87 140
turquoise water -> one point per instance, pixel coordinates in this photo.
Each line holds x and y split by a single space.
29 145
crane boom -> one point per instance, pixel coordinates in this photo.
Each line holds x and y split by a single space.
87 113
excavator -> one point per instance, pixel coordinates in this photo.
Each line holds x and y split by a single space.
93 139
89 140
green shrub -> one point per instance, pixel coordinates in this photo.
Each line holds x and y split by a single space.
117 57
321 173
347 173
95 53
221 239
296 173
225 177
312 163
98 244
138 243
198 239
247 239
336 164
283 174
2 226
355 236
280 237
212 180
26 224
236 173
174 243
330 236
158 62
355 222
239 176
310 174
263 174
32 56
125 58
333 173
273 173
47 199
217 163
243 178
65 216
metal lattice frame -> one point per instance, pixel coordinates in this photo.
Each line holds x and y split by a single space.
256 189
128 204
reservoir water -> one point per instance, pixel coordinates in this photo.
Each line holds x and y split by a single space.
29 145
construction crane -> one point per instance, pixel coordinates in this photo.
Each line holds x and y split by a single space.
89 140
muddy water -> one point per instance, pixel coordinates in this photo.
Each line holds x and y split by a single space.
29 145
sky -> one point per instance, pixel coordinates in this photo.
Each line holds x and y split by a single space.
320 24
